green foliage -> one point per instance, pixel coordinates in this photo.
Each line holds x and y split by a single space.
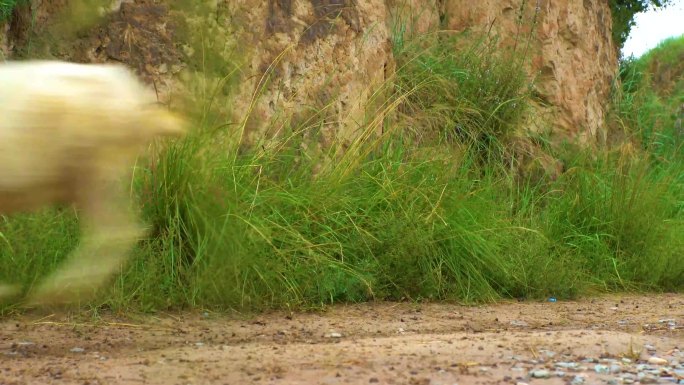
6 8
623 215
393 217
647 101
476 95
402 224
623 12
649 96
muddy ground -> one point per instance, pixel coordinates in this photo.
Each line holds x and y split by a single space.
385 343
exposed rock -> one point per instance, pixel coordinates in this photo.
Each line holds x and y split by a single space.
657 361
573 55
138 34
297 58
413 17
324 57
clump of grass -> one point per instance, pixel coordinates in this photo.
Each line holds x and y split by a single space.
642 184
33 244
621 217
476 95
249 240
6 8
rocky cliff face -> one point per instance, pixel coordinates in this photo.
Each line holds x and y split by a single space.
573 56
298 57
324 57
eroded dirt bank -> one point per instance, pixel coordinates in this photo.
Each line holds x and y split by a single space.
592 341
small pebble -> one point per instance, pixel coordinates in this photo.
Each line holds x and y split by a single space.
578 380
601 369
657 361
541 373
567 365
607 360
335 335
77 350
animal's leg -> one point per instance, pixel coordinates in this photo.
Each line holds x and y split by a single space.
109 232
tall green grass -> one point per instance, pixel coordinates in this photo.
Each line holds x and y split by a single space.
476 95
648 101
421 212
6 8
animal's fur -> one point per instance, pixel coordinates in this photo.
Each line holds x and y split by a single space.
69 133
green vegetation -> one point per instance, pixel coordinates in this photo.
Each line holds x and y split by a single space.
650 100
623 12
474 96
432 209
6 8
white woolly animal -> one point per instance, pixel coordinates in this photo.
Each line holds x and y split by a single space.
69 134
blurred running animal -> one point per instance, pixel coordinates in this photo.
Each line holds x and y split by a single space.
70 134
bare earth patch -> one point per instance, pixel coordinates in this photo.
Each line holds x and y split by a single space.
606 340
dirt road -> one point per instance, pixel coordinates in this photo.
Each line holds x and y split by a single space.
596 341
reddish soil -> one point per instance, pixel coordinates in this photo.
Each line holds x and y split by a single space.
384 343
